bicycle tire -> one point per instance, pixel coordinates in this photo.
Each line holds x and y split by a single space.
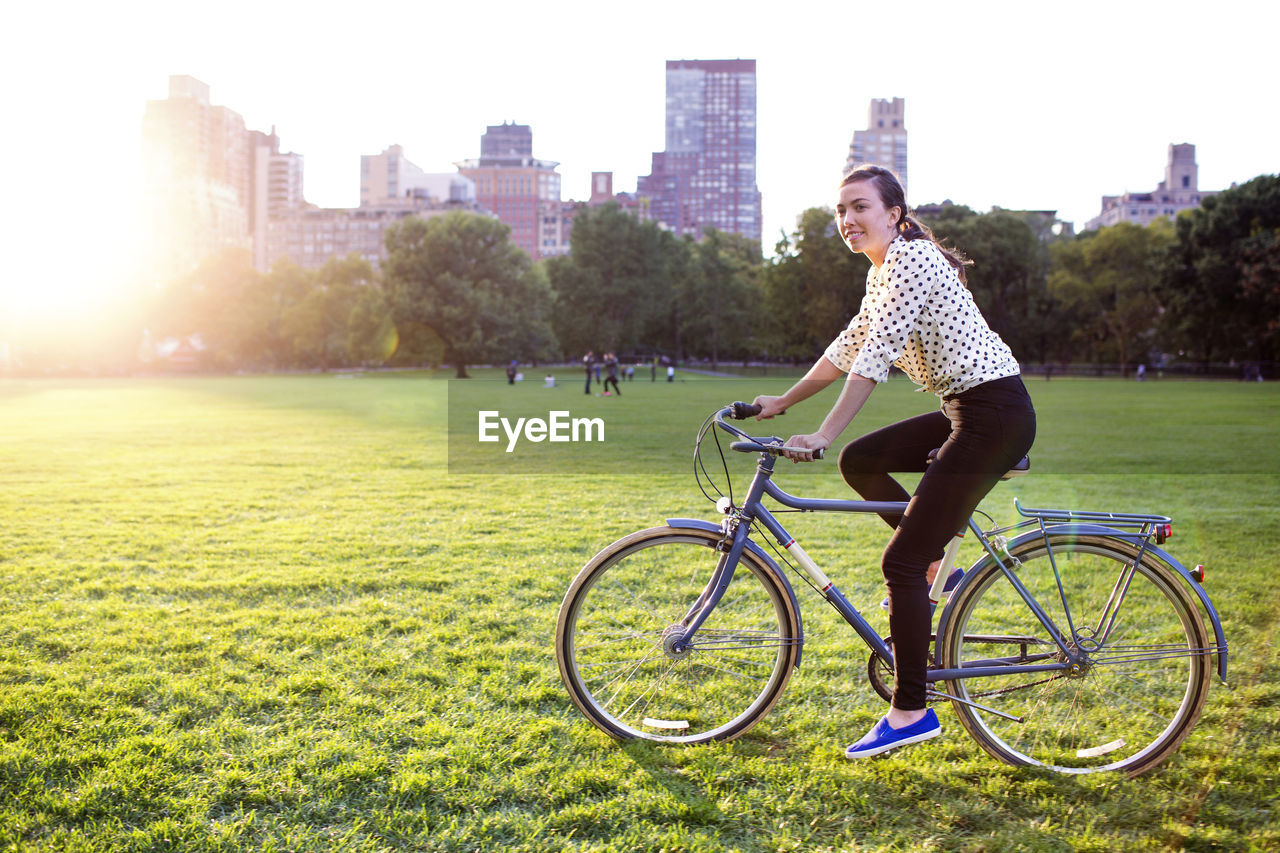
1144 681
615 625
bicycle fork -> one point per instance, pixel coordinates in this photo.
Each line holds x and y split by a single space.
730 547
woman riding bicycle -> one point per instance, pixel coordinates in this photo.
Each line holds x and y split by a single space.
919 316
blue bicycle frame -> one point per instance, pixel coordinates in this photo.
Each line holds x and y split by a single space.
752 510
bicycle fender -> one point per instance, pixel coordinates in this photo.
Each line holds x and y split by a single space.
757 551
1219 636
1128 536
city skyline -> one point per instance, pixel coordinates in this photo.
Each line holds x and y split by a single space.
999 116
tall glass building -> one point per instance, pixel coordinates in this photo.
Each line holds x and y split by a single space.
706 177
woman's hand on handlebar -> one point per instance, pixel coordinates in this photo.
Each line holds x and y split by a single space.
769 406
812 442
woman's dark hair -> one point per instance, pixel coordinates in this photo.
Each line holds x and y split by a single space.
891 195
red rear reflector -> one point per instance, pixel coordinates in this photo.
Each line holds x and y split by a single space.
1198 574
1163 532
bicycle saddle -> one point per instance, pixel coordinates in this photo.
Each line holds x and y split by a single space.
1022 466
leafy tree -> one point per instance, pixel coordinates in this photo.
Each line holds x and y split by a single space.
316 326
223 304
534 339
947 214
371 330
614 290
574 294
1107 281
282 291
813 286
719 295
1260 283
460 276
1220 286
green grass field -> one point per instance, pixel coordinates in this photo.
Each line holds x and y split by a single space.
315 613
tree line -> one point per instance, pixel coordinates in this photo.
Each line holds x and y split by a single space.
455 290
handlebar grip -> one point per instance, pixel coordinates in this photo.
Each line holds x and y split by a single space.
775 449
742 411
817 454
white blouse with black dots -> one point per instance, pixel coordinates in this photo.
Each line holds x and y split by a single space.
918 315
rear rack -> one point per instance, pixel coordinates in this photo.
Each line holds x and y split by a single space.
1059 515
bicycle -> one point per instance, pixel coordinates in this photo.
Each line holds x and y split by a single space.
1073 642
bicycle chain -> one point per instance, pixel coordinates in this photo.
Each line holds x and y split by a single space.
1002 691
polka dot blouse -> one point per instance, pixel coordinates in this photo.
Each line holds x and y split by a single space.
918 315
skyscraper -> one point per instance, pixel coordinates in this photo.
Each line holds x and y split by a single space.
884 142
706 177
277 188
523 192
196 175
209 182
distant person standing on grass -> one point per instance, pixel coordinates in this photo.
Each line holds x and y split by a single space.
611 366
586 363
916 315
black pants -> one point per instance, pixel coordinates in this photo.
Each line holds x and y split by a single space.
979 434
614 380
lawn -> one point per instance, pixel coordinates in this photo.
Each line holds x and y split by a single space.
316 613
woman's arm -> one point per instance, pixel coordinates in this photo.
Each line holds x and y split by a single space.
822 374
853 395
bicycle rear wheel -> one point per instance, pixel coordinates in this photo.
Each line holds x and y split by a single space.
1145 673
616 633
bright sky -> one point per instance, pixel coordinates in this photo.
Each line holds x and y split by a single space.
1017 104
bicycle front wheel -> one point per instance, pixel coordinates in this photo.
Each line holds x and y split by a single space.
1143 677
619 623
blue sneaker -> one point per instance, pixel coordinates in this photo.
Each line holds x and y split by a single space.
952 580
884 737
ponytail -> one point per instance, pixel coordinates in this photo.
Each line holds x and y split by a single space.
913 229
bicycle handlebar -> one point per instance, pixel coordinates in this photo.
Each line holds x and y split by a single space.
740 411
